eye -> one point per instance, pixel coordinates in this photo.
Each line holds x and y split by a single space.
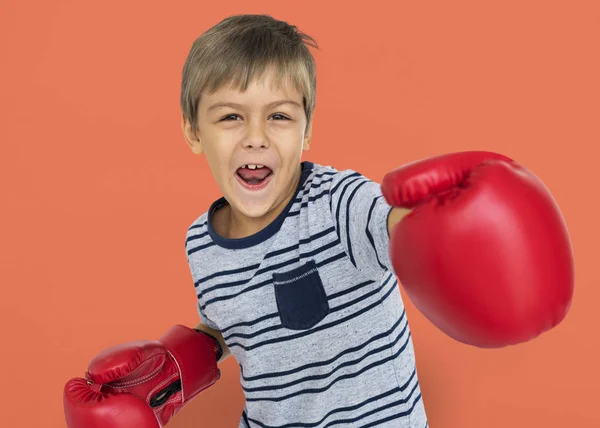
230 117
279 116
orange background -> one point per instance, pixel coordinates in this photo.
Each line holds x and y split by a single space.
98 186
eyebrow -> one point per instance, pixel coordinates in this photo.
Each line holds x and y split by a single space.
239 106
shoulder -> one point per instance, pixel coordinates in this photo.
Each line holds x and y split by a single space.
201 250
326 187
199 225
325 177
197 236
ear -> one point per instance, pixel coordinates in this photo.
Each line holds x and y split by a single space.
192 139
307 137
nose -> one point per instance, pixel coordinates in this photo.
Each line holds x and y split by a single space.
256 137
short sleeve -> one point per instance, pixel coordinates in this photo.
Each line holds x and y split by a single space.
199 301
204 319
360 214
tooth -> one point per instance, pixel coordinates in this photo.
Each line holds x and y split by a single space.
260 166
252 166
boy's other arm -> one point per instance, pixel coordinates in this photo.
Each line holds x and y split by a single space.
144 383
396 215
217 335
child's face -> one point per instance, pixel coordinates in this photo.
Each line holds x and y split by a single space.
265 125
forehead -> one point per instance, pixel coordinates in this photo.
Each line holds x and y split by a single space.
266 86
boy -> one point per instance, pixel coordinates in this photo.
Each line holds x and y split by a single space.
292 266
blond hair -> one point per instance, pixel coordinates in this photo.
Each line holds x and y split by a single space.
241 48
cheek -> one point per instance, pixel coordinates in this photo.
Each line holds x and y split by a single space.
290 138
291 149
219 161
218 147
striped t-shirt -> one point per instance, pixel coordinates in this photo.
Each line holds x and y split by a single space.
311 310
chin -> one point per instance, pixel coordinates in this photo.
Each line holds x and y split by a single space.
248 208
255 211
252 207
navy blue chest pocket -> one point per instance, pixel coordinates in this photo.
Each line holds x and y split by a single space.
300 296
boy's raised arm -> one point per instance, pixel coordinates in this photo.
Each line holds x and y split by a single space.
485 253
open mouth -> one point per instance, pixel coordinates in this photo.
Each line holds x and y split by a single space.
253 176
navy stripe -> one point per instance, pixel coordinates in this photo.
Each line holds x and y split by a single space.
325 176
354 362
322 327
226 272
386 394
339 202
397 415
276 314
398 402
309 186
335 188
199 248
267 268
268 281
365 369
310 199
348 202
301 242
350 289
313 184
194 237
314 198
196 226
326 362
338 211
331 311
245 417
344 421
249 323
359 299
271 268
368 232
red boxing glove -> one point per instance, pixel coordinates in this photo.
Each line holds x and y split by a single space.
143 384
485 254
